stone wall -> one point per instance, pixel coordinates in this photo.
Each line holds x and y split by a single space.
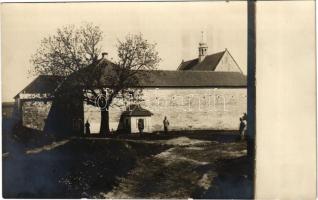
185 108
35 113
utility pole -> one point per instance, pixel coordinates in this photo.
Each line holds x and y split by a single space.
251 88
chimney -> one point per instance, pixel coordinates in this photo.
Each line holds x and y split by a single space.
104 55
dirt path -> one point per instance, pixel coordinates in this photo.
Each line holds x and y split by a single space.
182 171
125 168
120 139
47 147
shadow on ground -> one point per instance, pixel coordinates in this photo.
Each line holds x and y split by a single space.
190 168
78 169
155 166
232 181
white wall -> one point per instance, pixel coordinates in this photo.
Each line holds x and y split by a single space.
227 64
186 109
134 124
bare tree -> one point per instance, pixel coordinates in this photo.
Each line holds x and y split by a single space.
73 52
68 50
123 78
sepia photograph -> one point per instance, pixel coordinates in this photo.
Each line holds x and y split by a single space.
127 100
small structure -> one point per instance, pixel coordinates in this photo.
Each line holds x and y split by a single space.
135 115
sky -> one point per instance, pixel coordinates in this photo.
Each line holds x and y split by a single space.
176 28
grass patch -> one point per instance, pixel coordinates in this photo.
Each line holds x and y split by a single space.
80 168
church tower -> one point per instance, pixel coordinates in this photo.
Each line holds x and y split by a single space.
203 48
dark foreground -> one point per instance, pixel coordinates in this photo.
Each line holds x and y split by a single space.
210 165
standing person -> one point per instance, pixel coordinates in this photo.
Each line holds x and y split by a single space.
165 124
244 131
244 117
242 128
141 126
87 128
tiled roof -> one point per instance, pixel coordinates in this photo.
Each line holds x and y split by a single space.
42 84
136 110
208 64
163 78
166 78
180 78
186 65
154 78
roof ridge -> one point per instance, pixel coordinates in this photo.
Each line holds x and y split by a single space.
206 55
194 64
36 79
190 71
27 86
49 75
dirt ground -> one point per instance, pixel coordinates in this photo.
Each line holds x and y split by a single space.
180 166
189 168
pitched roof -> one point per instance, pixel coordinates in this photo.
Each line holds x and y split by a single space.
186 65
152 78
42 84
136 110
164 78
208 64
178 78
167 78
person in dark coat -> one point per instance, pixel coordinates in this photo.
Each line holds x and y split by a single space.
243 127
165 125
141 126
244 117
87 128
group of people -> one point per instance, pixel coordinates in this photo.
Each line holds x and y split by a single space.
242 127
140 126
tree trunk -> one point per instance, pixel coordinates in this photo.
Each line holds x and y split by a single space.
104 124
